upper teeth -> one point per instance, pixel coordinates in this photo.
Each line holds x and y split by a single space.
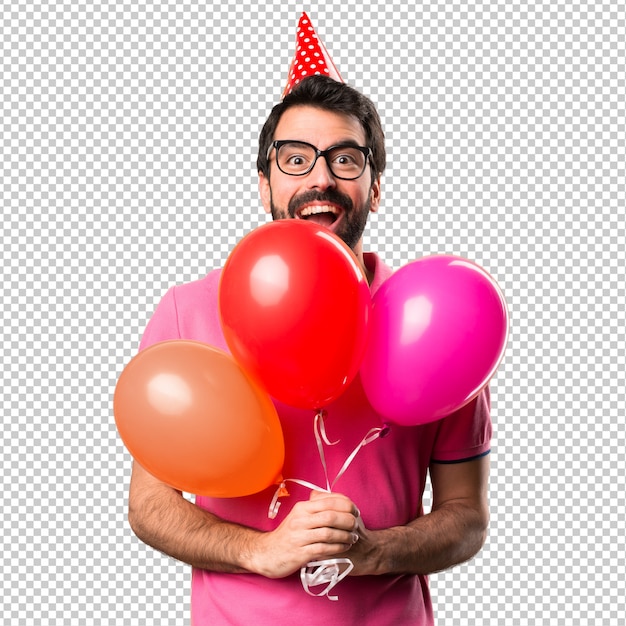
314 210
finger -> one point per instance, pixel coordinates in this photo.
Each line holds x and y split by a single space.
319 495
332 539
333 500
326 513
334 519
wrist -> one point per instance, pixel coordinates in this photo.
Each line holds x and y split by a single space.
371 555
249 557
385 551
259 557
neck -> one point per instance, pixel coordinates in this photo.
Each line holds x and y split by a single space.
368 274
358 252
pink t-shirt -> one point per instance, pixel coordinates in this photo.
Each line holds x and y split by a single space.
386 481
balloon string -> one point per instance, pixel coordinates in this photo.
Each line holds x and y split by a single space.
371 435
282 491
327 572
320 422
321 438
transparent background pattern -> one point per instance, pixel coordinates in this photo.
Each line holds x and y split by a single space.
127 164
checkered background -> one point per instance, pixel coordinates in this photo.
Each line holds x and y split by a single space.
129 135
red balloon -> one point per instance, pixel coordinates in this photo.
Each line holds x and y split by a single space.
438 332
190 416
294 306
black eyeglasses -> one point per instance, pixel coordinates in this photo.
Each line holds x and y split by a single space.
297 158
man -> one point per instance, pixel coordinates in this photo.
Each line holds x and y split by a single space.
321 156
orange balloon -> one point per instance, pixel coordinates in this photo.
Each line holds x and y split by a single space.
193 418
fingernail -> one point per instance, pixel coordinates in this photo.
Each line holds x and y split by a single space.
355 537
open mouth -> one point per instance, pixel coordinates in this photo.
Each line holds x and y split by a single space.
324 215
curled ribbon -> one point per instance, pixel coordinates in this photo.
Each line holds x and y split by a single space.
325 572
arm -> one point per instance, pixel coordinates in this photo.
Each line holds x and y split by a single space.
163 519
453 532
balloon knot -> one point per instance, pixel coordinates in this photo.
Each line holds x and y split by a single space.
386 429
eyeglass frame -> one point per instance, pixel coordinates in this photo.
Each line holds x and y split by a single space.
278 143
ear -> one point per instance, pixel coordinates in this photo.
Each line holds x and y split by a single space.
375 195
265 192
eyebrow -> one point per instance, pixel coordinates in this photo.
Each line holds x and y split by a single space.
348 143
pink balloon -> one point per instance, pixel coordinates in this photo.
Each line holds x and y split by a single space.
438 332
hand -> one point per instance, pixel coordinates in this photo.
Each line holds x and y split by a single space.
313 530
363 553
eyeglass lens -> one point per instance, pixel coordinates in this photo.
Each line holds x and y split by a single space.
297 158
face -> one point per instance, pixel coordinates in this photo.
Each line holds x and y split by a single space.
340 205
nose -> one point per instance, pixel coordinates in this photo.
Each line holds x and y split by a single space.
320 177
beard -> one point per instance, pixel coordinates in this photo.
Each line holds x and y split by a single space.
354 218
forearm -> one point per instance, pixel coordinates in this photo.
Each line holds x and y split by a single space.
313 530
443 538
453 532
166 521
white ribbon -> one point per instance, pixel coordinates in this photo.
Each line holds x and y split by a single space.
327 571
321 438
282 491
371 435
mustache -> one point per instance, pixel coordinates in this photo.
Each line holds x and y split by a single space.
330 196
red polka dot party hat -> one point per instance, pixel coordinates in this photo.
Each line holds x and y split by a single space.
311 56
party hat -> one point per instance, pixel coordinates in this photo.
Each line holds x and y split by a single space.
311 56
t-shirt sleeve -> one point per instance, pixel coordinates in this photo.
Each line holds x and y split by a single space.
163 325
466 434
188 312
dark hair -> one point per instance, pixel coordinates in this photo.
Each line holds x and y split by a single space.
330 95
